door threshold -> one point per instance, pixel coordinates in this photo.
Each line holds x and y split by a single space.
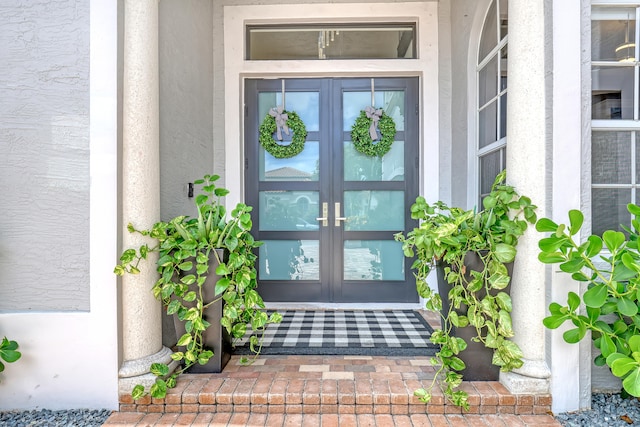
342 306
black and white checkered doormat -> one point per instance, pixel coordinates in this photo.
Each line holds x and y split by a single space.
346 332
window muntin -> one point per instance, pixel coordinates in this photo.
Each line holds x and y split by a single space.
491 107
331 41
615 94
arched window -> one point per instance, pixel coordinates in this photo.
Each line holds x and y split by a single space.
491 106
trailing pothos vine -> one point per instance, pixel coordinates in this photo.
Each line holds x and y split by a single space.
278 121
477 298
184 243
363 132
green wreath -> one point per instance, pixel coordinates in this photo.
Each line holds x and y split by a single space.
364 128
270 126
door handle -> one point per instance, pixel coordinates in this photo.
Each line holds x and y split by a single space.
325 215
338 218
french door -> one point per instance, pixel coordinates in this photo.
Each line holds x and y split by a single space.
327 216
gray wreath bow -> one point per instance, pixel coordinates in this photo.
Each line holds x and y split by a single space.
375 116
281 121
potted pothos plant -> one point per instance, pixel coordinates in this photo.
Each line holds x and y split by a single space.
207 280
609 265
473 251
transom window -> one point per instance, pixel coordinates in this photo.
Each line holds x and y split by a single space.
615 176
492 96
331 41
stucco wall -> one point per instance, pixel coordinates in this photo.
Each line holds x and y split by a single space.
44 152
186 101
463 13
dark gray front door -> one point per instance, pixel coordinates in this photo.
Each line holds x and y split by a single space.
328 215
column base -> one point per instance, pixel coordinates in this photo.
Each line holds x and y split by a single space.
134 372
533 377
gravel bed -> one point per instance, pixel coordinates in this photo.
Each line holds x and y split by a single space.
48 418
607 410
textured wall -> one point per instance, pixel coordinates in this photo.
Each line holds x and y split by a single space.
186 101
44 155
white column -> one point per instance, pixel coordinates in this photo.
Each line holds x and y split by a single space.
571 382
141 312
527 155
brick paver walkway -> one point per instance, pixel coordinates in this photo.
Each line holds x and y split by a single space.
328 391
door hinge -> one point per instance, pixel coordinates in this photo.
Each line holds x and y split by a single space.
417 109
246 163
417 163
246 110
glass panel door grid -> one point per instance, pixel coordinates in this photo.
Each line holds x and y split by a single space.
327 216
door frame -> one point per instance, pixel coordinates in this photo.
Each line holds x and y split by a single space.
330 287
237 69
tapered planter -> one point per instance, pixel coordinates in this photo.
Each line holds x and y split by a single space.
476 356
215 337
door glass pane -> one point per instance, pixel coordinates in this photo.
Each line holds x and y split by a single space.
609 207
487 121
305 104
289 210
373 260
392 102
612 92
289 260
360 167
303 167
374 210
331 41
611 158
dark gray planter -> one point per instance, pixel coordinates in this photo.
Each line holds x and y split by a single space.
476 356
215 337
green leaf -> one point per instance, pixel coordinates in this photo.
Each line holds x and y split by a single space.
222 285
634 343
633 209
159 389
632 383
613 239
552 243
573 301
596 296
137 392
607 347
222 270
504 301
8 351
159 369
184 340
594 247
620 366
554 322
627 307
575 220
505 253
551 258
573 265
546 225
573 336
